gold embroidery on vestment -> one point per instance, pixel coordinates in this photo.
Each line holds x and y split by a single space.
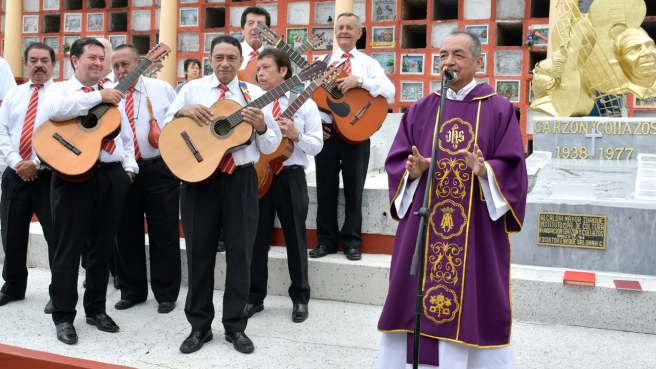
441 302
451 221
445 262
453 185
459 134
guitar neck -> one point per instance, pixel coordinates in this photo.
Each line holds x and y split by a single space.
266 99
300 100
123 86
303 48
293 54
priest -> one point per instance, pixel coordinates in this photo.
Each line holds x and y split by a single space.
477 197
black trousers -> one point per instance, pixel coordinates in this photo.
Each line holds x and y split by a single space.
352 161
287 197
155 192
80 210
21 199
229 201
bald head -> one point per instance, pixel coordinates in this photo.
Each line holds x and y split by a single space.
107 64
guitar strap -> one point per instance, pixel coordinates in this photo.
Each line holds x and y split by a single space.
244 90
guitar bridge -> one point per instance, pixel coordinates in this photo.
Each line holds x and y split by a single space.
67 144
191 146
360 113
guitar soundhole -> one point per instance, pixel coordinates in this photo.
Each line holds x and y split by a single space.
88 123
222 128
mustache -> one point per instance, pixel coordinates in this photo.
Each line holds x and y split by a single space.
122 75
39 69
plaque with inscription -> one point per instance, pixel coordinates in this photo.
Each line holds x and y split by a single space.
572 230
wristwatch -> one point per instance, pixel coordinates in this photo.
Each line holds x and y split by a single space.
298 139
37 164
360 81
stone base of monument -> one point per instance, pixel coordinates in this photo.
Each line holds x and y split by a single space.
538 293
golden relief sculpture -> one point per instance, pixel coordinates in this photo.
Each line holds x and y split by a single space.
597 58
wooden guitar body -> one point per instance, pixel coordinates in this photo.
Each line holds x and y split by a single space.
194 153
357 114
268 162
71 149
249 73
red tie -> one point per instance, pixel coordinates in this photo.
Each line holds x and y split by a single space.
276 108
347 67
25 149
253 55
108 146
129 111
228 163
102 81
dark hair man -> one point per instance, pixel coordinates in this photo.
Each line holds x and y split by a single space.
287 195
252 45
229 201
156 193
337 155
86 213
478 198
25 184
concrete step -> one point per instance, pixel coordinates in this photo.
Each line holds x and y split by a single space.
538 293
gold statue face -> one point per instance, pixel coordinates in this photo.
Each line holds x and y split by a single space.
637 56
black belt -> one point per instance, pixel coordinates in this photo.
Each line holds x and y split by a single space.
142 161
293 167
243 166
112 163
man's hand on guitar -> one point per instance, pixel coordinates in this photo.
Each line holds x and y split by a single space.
26 170
347 83
111 96
255 117
287 128
200 113
416 164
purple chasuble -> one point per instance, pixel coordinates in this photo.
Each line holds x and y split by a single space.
467 260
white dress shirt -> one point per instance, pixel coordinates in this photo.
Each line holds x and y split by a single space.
161 95
7 81
308 121
66 100
246 50
496 206
12 118
205 91
374 78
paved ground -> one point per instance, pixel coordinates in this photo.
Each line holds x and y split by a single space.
337 335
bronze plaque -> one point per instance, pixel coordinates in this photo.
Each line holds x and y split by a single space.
572 230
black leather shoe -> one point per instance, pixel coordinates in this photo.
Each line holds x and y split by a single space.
116 284
50 308
221 247
103 322
125 304
66 333
251 309
321 251
352 253
240 342
5 299
165 307
299 313
195 341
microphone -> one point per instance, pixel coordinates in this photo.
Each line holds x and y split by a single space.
450 76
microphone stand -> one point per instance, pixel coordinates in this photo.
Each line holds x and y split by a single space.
423 213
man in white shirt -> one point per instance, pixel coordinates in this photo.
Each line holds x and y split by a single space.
228 201
287 196
337 155
25 185
86 213
156 193
252 45
7 81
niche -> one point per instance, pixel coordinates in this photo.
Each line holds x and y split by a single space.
413 36
509 34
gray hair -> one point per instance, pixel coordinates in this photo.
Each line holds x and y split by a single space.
475 44
358 22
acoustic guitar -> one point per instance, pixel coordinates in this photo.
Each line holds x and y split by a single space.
72 147
249 73
357 114
194 153
270 164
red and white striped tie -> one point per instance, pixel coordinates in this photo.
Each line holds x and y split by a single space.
25 149
109 145
129 111
347 67
228 163
103 81
276 114
253 55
